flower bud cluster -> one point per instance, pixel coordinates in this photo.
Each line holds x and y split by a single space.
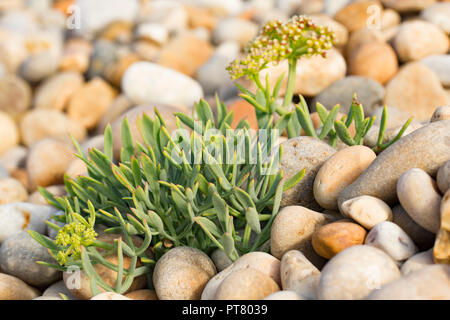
279 41
72 236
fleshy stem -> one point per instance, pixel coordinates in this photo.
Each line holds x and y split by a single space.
289 94
291 83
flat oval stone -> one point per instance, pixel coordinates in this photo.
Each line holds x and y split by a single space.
427 148
355 272
367 211
419 196
150 83
429 283
340 171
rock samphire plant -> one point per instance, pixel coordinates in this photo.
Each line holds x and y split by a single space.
205 186
191 188
300 38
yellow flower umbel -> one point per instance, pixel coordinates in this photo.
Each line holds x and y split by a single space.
71 237
279 41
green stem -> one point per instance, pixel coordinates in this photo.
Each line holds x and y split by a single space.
289 94
291 83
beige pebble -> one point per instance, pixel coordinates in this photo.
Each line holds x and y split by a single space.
293 229
55 92
419 196
355 272
246 284
441 251
9 133
12 288
11 190
47 162
90 102
416 89
182 273
34 126
338 172
260 261
375 60
299 275
418 39
356 15
367 211
15 95
428 283
76 168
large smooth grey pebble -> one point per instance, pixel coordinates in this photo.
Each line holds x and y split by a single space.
19 255
427 148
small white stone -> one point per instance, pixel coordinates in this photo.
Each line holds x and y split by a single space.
390 238
367 211
153 31
150 83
